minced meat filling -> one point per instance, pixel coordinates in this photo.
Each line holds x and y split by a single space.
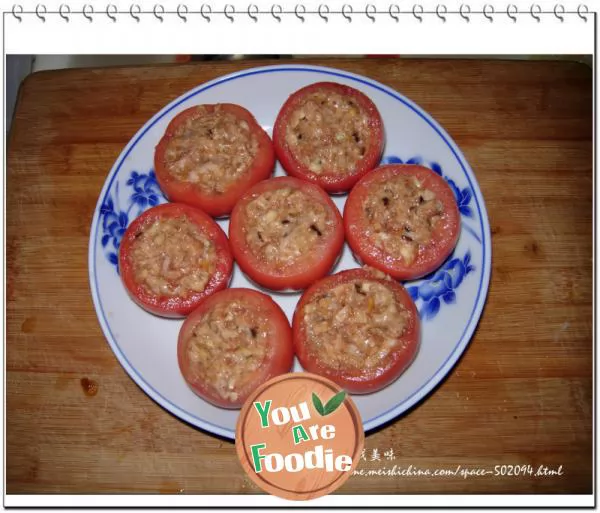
328 132
401 215
285 224
227 345
172 257
354 325
212 150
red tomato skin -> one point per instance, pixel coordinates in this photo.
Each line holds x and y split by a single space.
430 258
188 193
166 306
333 183
302 275
356 382
282 357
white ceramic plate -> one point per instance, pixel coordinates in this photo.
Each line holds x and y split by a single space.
450 301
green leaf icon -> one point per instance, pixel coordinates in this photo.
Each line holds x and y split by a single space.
335 402
318 404
332 405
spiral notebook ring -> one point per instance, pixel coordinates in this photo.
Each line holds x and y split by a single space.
488 12
206 12
441 11
464 12
111 12
417 11
64 11
276 12
559 11
182 11
347 12
252 12
299 13
17 11
370 12
535 12
394 12
87 10
581 10
41 13
512 11
323 12
134 12
159 12
229 11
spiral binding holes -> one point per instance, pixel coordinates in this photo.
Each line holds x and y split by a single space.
111 12
228 12
324 12
182 11
417 11
512 11
41 13
159 12
300 13
135 11
488 12
17 11
64 11
252 12
87 11
347 12
441 11
464 12
206 12
276 11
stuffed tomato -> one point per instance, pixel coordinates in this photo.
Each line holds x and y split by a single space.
210 155
172 257
359 328
402 220
232 343
329 134
286 233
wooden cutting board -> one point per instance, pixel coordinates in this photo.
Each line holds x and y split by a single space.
521 394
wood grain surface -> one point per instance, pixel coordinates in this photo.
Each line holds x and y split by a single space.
521 394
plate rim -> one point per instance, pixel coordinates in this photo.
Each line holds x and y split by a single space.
482 291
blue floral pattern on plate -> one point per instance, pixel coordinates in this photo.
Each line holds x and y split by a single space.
442 285
145 193
440 288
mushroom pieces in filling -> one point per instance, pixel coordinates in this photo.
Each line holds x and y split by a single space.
285 233
359 328
329 134
173 256
210 155
236 340
403 220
